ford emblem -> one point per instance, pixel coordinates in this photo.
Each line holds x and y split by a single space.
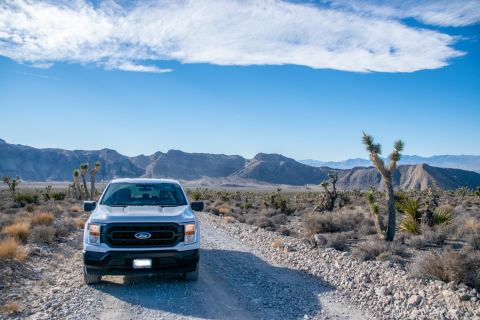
142 235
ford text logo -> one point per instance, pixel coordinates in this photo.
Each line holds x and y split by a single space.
142 235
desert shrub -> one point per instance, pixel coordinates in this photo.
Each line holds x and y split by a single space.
229 219
280 219
59 196
42 218
29 207
242 219
12 306
22 254
24 198
370 251
8 248
418 242
269 212
337 241
206 209
19 230
434 237
80 223
463 266
42 233
75 209
329 222
262 222
61 229
283 230
196 195
474 241
214 211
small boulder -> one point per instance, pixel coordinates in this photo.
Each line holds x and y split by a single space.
45 251
8 271
287 248
317 240
383 291
415 300
464 297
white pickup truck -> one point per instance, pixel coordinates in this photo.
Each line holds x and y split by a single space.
141 226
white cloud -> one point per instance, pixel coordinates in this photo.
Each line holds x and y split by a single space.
37 75
222 32
444 13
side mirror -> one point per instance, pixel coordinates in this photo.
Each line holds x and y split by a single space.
197 205
89 206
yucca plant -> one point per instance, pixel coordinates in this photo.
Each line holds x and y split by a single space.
443 217
375 211
412 216
78 190
477 193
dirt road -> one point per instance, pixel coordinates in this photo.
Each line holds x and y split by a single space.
236 282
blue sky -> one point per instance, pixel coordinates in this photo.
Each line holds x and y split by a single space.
240 77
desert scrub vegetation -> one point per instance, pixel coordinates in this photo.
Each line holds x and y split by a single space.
19 230
11 306
42 234
8 248
42 218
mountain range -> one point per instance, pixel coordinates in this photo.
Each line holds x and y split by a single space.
216 170
470 163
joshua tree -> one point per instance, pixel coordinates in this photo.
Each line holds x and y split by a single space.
12 183
477 193
93 172
83 174
430 205
375 149
328 199
78 191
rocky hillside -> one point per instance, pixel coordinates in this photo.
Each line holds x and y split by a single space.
41 165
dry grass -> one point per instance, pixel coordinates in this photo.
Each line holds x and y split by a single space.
229 219
378 251
11 306
80 223
8 248
472 224
224 208
75 209
463 267
42 218
20 230
277 244
22 254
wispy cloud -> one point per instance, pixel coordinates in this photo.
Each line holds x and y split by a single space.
37 75
339 35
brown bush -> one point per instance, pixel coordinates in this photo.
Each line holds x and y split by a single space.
329 222
474 241
463 266
41 234
277 244
434 237
262 222
75 209
283 230
19 230
80 223
22 254
280 219
337 241
418 242
214 211
229 219
8 248
43 218
11 306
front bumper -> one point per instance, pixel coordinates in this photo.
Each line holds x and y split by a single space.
121 262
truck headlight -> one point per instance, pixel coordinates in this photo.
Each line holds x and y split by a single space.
94 234
190 233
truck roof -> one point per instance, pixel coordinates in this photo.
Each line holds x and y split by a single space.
144 180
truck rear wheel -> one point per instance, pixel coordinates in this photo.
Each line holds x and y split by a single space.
90 278
192 276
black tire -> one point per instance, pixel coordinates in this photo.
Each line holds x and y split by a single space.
192 276
90 278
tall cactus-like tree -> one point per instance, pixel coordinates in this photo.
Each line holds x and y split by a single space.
78 190
477 193
83 174
375 149
328 199
93 172
12 183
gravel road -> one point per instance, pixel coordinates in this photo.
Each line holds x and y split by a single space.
236 282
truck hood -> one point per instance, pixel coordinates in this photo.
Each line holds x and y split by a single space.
142 214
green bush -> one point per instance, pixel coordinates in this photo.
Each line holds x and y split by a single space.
197 195
59 196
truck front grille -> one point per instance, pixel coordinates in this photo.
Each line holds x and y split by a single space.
161 235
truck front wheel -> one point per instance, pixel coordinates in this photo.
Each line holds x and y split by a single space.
192 276
90 278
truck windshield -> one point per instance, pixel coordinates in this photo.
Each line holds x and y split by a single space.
138 194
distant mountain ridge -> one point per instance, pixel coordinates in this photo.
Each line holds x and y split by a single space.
203 169
464 162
